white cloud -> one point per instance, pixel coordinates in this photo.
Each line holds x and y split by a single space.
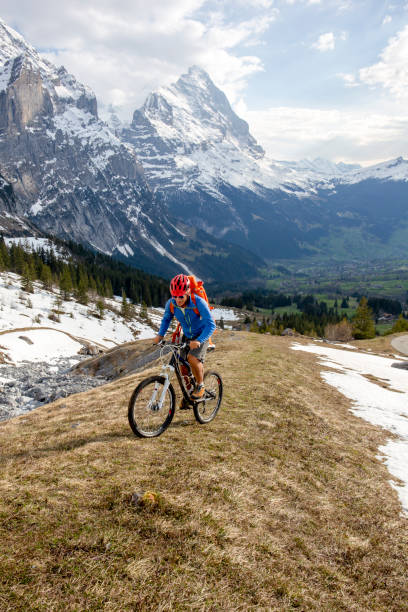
351 136
325 42
125 48
349 79
391 72
259 3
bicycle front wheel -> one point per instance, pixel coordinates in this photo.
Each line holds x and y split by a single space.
206 410
150 413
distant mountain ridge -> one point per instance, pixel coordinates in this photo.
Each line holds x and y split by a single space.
202 160
185 186
73 177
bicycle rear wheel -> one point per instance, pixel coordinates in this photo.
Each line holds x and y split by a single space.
146 418
206 410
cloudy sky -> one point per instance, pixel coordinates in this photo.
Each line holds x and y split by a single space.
313 78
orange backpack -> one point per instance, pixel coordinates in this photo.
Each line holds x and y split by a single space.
196 288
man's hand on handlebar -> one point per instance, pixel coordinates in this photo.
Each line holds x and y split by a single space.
193 344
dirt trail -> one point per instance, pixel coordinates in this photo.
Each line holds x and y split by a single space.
401 344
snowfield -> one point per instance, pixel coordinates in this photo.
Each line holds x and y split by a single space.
20 310
38 345
386 407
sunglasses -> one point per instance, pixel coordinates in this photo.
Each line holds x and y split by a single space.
181 297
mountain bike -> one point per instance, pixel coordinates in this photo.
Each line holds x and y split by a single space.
153 402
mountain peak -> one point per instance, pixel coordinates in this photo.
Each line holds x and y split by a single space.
12 44
196 75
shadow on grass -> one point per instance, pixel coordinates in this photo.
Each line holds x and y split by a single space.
79 442
67 445
182 424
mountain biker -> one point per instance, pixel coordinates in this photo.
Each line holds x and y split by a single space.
198 328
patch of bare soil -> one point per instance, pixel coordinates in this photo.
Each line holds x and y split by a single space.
279 504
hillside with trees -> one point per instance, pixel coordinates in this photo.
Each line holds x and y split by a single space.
77 270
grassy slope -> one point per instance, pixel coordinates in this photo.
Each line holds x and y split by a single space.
279 504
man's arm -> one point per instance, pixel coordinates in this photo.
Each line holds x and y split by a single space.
207 318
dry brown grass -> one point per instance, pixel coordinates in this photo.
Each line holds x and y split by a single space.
278 504
380 344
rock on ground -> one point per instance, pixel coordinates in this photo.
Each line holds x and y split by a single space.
29 385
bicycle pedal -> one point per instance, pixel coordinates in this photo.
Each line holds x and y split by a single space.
201 400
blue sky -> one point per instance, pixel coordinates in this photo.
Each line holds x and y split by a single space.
313 78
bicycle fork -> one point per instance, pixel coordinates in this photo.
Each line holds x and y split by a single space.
166 385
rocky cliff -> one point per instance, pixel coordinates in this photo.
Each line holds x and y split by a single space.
202 160
73 177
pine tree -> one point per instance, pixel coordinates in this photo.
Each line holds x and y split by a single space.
18 259
4 254
100 306
65 283
27 280
143 310
46 277
401 325
363 323
108 288
124 311
82 290
92 285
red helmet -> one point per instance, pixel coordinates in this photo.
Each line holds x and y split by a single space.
179 285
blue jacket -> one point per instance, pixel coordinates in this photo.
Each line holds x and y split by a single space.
200 327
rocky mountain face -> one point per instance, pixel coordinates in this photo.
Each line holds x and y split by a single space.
11 224
74 178
186 186
202 161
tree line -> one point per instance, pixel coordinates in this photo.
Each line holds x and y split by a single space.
79 270
263 298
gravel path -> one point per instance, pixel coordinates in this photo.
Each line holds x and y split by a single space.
401 344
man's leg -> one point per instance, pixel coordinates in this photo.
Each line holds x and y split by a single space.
197 367
196 359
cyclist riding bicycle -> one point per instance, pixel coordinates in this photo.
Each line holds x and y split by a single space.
198 328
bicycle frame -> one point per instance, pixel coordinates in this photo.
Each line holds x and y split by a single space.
168 370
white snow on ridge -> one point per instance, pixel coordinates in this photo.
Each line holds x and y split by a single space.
47 345
394 170
32 243
5 73
36 208
227 314
19 310
205 145
386 407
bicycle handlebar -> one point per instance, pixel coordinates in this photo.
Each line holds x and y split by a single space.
173 344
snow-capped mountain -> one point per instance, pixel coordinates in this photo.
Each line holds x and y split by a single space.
187 137
66 170
185 186
202 160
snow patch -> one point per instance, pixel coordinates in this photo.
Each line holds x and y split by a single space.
36 208
47 345
385 407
